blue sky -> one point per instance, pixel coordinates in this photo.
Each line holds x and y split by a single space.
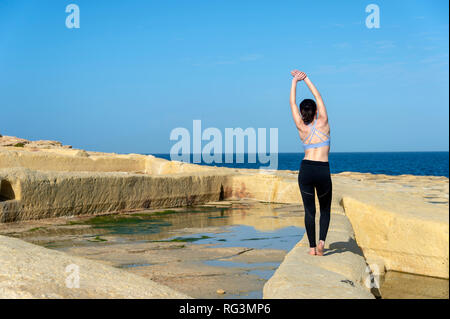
135 70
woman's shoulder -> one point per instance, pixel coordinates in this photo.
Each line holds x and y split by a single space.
322 121
303 126
323 125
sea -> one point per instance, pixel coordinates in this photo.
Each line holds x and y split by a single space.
390 163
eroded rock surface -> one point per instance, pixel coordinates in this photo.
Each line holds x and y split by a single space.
340 273
401 223
31 271
21 142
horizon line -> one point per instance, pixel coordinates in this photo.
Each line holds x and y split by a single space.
447 151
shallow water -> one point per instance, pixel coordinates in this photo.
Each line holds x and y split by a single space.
247 236
398 285
236 245
253 225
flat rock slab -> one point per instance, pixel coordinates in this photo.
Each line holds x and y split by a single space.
31 271
296 279
195 269
339 274
202 281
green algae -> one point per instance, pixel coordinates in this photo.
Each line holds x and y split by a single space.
260 238
124 224
183 239
121 219
136 223
149 214
107 219
97 239
36 229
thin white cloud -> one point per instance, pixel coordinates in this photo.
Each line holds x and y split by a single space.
436 60
222 60
342 45
386 44
251 57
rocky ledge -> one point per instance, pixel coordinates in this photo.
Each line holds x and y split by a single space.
13 141
31 271
398 223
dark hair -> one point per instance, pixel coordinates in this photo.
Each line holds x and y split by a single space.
308 109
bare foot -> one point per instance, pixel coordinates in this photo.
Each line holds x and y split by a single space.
312 251
320 248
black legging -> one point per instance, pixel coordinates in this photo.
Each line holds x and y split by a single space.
315 175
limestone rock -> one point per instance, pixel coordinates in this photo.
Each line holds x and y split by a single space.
30 271
47 194
394 218
20 142
340 273
81 153
12 141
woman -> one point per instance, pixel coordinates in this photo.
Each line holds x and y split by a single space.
314 174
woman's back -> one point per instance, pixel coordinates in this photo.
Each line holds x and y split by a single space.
315 135
316 140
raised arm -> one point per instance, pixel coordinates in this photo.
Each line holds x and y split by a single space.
294 108
320 105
